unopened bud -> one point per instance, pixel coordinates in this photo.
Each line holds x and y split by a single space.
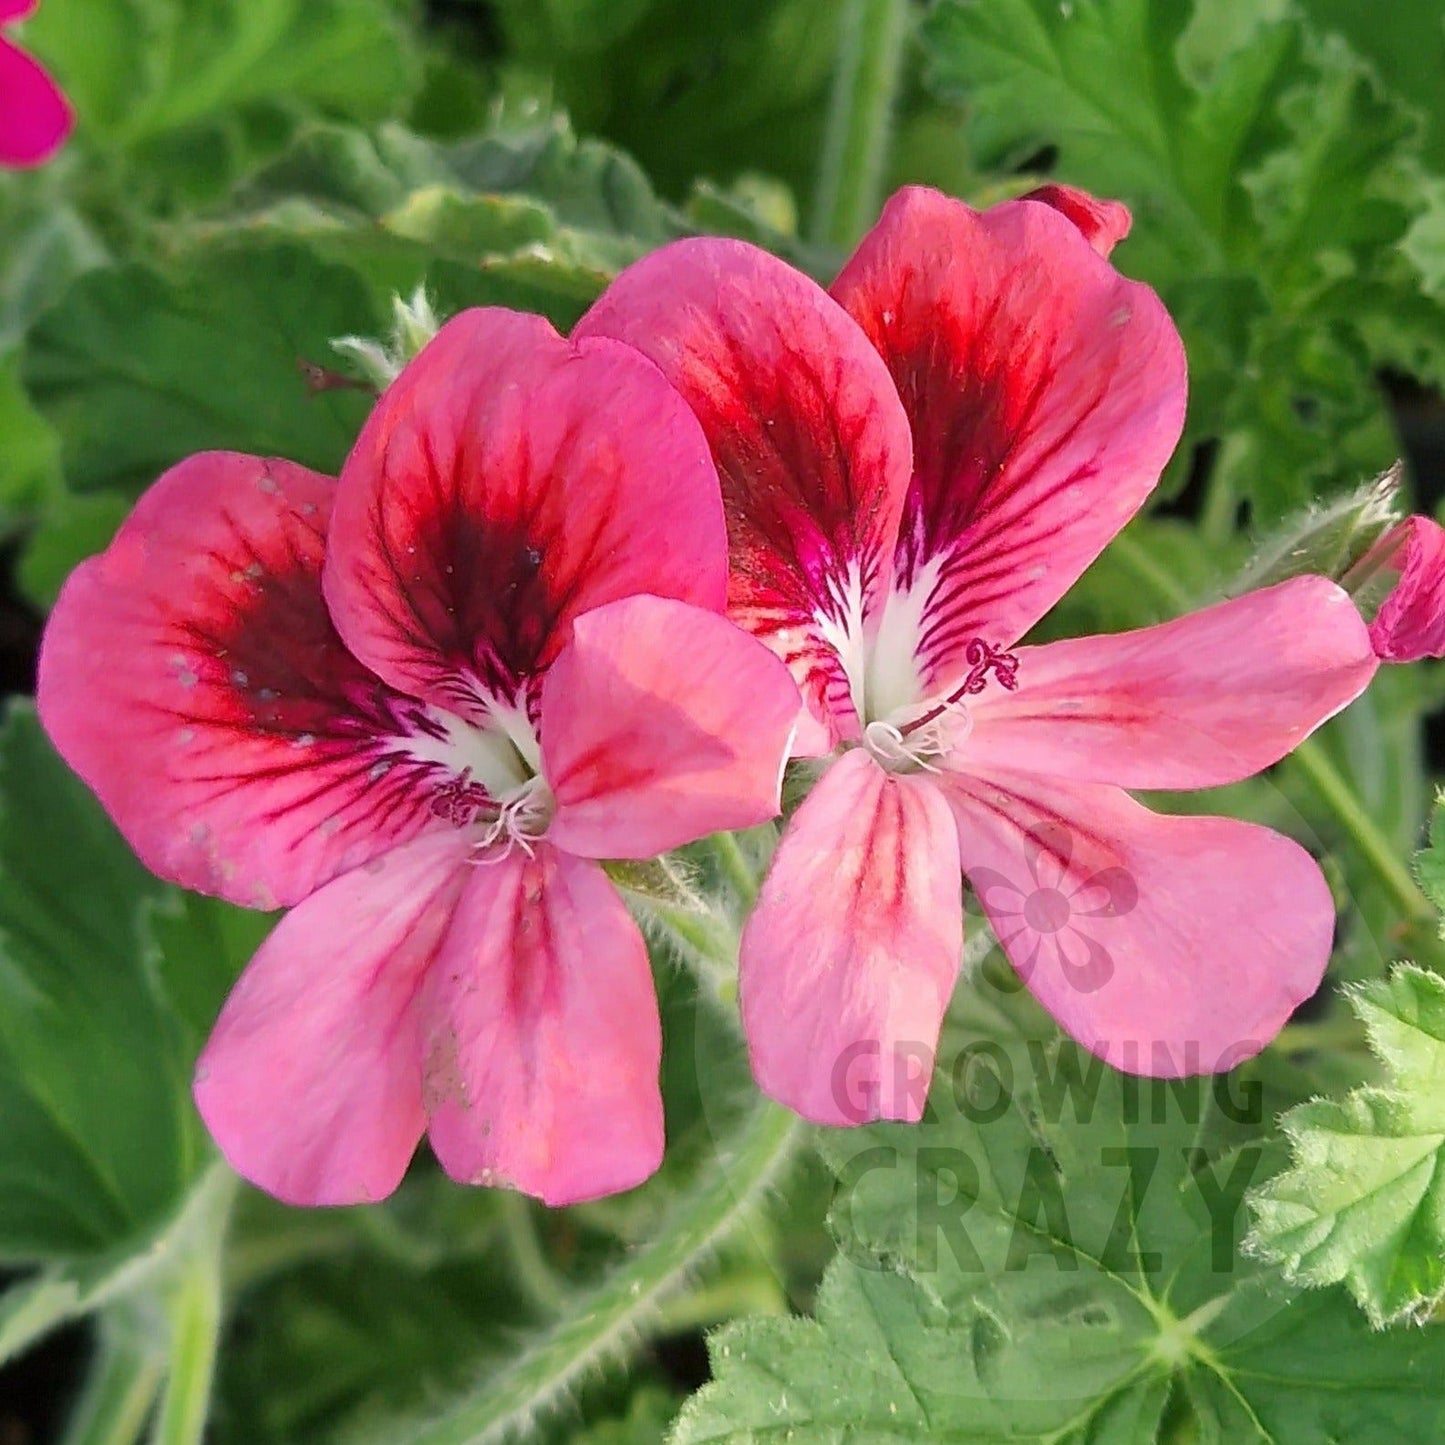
413 324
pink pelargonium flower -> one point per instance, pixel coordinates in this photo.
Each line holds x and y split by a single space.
420 702
915 468
35 117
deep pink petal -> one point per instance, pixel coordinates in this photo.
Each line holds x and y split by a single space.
35 117
542 1042
1174 945
13 10
809 439
1103 223
508 481
1045 394
311 1083
662 723
191 675
1206 699
1411 621
852 952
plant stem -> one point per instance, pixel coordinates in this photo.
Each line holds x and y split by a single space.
193 1311
120 1391
860 119
736 868
1311 760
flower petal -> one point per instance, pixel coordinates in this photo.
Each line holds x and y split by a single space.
311 1083
1197 702
809 439
1045 394
543 1042
191 675
14 10
508 481
1103 224
1174 945
662 723
852 952
1411 621
35 117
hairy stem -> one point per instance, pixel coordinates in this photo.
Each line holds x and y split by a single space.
860 119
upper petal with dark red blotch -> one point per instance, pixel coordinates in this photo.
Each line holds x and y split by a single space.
662 723
848 961
810 441
35 117
1045 394
1103 224
542 1042
311 1083
191 675
1411 621
1203 700
1166 945
508 481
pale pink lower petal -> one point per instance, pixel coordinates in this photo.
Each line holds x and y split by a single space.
662 723
1204 700
35 116
1171 945
542 1038
852 952
191 675
311 1083
1411 621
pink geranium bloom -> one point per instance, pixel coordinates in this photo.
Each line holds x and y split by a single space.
35 117
1410 623
420 702
916 467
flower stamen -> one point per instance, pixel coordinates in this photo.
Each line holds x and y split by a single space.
982 659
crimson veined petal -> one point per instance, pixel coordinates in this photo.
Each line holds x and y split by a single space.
542 1042
508 481
35 117
852 952
662 723
1410 624
1203 700
810 442
1103 224
1045 394
311 1083
192 676
1191 963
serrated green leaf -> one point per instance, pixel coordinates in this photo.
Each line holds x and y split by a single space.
1364 1199
136 369
1051 1256
1430 862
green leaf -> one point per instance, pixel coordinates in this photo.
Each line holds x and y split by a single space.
1050 1256
98 1140
1364 1200
136 369
1430 862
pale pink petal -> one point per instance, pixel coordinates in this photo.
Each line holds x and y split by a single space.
805 426
1045 394
852 952
191 675
662 723
311 1083
508 481
542 1041
1171 945
35 117
1411 621
1206 699
1103 223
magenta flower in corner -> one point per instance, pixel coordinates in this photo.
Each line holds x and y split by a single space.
916 467
420 703
35 117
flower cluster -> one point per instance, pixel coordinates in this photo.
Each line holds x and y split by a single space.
581 599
